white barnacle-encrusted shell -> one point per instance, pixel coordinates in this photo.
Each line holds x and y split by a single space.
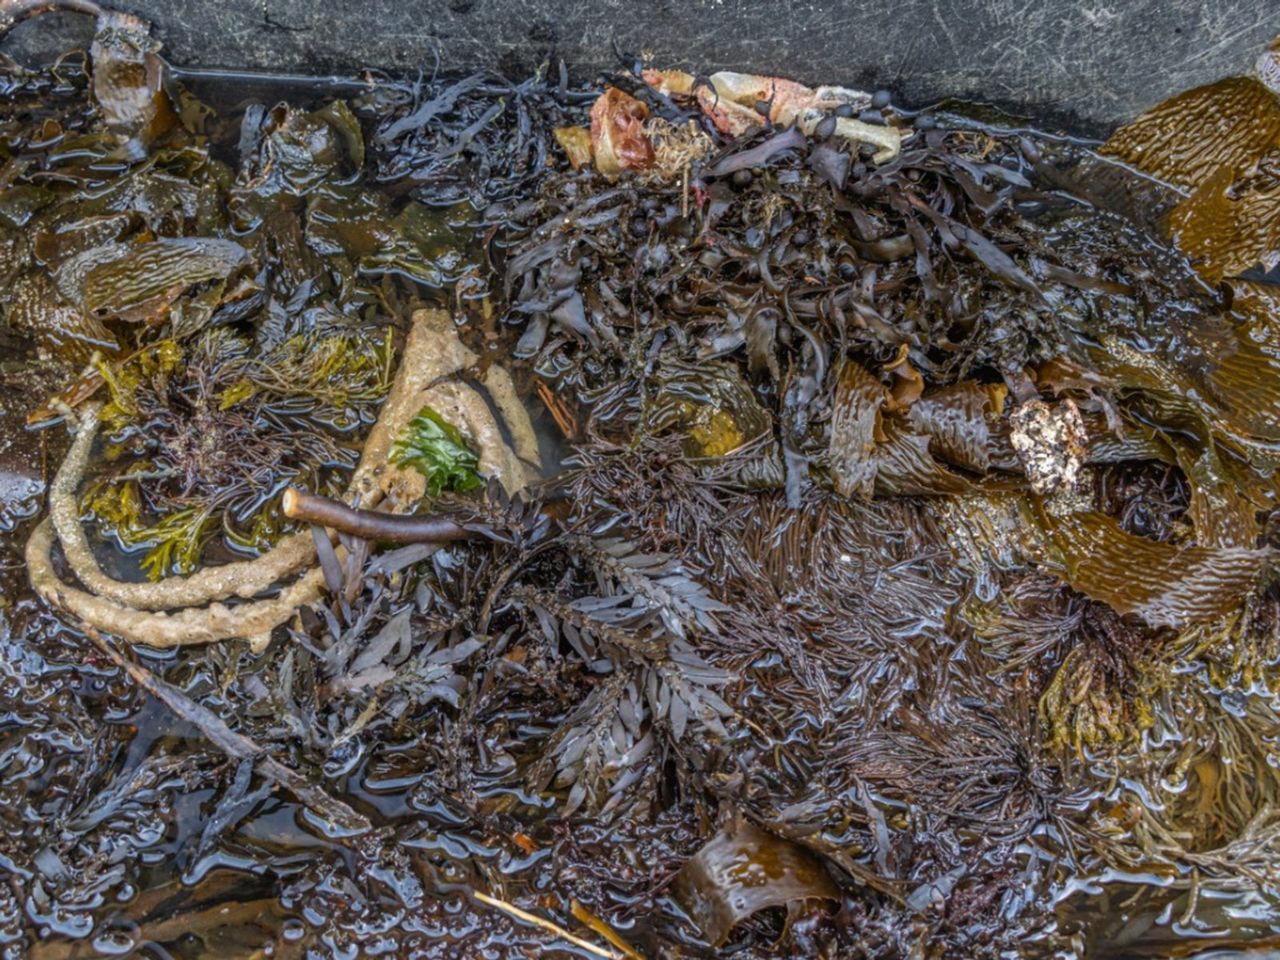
1268 66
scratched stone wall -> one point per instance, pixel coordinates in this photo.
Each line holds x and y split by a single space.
1088 62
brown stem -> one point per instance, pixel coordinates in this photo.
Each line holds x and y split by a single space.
369 524
235 745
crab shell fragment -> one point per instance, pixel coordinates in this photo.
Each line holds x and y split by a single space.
731 101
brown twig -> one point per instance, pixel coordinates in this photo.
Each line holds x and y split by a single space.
585 916
369 524
235 745
559 411
527 917
239 747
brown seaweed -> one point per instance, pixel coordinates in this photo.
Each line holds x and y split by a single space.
1189 137
743 870
1164 584
792 569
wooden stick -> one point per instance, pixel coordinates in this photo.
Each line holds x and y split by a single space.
559 410
239 747
585 916
369 524
235 745
564 934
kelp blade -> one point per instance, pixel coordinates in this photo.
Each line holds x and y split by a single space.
1163 583
743 870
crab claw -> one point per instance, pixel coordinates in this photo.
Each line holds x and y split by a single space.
618 139
739 102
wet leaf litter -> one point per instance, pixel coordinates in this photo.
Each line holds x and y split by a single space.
663 516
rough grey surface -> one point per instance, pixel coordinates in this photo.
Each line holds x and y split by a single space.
1098 61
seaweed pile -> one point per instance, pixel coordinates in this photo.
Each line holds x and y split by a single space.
905 587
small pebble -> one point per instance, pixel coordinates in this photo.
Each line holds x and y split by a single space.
881 99
826 128
872 116
742 178
925 122
845 110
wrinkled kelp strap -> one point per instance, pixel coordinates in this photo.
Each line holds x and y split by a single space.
253 621
246 578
